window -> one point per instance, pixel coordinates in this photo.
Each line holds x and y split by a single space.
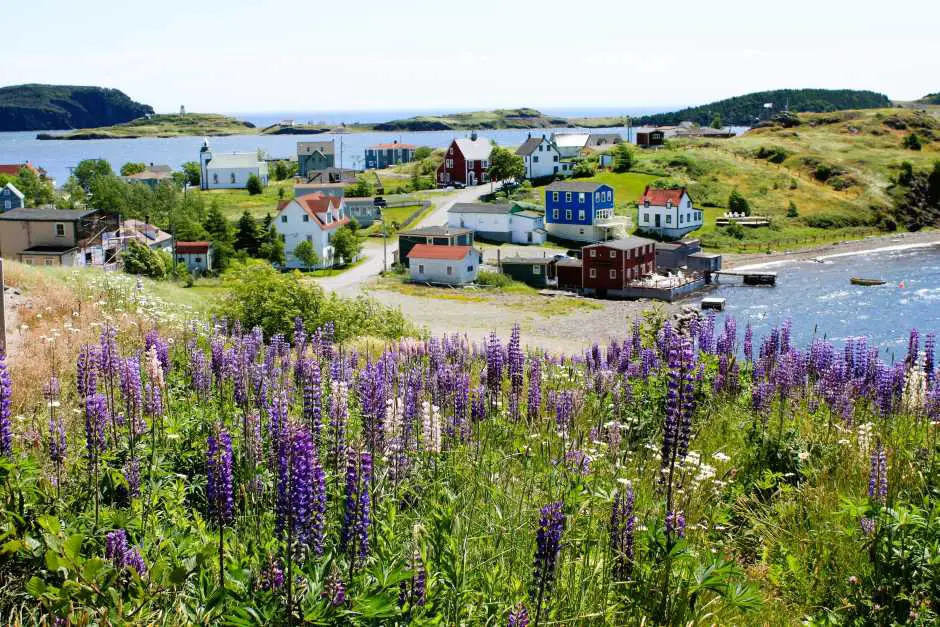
232 177
215 177
535 158
198 259
597 196
50 261
613 274
450 151
681 218
540 147
646 204
284 219
555 197
581 198
567 214
688 204
580 231
609 195
469 268
593 273
7 204
59 229
668 219
688 217
646 218
633 254
613 254
181 259
450 270
567 196
555 158
310 238
306 218
420 269
554 214
536 269
581 215
594 252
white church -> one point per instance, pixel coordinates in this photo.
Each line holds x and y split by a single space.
229 170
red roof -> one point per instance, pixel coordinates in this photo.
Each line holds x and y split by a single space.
434 251
192 248
316 203
393 145
14 168
660 197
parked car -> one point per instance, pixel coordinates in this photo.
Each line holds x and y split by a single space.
561 257
379 202
459 185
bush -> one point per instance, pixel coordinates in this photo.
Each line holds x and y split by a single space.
773 154
738 204
834 221
361 189
912 142
493 279
261 296
735 230
139 259
253 185
583 169
624 159
792 211
422 153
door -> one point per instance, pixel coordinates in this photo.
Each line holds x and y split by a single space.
658 217
471 178
529 234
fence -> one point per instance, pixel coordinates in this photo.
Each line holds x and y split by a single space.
790 242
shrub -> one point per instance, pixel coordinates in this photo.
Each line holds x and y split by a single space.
912 142
139 259
422 153
792 211
738 204
834 221
494 279
624 159
583 169
253 185
735 230
773 154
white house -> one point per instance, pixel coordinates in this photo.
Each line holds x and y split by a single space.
454 265
570 144
229 170
668 213
542 158
196 255
499 223
314 218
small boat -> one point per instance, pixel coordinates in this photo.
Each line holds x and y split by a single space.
867 282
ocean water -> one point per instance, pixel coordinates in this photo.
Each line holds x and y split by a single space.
821 302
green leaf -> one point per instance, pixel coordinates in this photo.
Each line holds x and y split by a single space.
52 560
36 587
11 546
93 568
178 575
73 546
50 524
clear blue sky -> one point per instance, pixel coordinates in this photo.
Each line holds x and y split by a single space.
246 56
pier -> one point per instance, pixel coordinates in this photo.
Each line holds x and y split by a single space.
751 278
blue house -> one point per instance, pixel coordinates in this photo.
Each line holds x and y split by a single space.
582 212
11 198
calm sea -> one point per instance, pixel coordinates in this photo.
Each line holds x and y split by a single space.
821 301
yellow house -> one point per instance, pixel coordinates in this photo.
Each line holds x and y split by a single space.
52 237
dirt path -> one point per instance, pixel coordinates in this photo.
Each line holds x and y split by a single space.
13 301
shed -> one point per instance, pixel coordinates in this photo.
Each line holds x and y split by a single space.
569 274
434 235
534 271
196 255
452 265
704 262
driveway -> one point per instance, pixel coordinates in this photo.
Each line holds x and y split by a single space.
350 281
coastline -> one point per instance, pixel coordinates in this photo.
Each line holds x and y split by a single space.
888 241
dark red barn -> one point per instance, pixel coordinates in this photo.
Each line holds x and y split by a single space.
466 162
615 264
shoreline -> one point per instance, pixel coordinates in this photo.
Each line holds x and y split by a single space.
877 243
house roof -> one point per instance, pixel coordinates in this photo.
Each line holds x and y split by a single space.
192 248
626 243
571 140
324 147
480 207
529 146
659 197
436 231
48 250
603 139
392 145
527 260
434 251
569 263
474 149
234 160
48 215
572 186
316 203
528 213
145 233
14 168
16 192
159 172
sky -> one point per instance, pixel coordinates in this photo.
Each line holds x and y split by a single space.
252 56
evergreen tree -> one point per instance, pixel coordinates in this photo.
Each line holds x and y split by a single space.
247 235
221 233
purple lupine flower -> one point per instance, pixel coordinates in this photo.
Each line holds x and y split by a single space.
478 405
636 340
57 443
680 403
622 525
516 361
153 340
494 366
878 475
354 533
519 616
547 547
272 577
564 411
301 490
96 420
153 400
312 398
868 526
339 413
131 472
108 352
86 370
761 396
913 349
534 401
123 556
414 591
335 590
675 524
219 476
578 462
929 372
6 397
199 371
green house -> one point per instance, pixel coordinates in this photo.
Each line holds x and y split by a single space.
534 271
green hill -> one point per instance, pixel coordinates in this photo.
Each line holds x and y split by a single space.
475 120
163 125
55 107
933 99
744 110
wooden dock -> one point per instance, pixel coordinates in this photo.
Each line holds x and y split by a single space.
751 278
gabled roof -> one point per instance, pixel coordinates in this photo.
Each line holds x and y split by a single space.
323 147
544 261
571 140
474 149
480 207
392 145
234 160
192 248
530 145
145 233
603 139
659 197
528 213
573 186
14 168
435 231
316 203
16 192
433 251
48 215
570 263
626 243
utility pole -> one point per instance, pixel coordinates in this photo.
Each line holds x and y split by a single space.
384 242
3 314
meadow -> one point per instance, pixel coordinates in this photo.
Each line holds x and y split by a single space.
159 466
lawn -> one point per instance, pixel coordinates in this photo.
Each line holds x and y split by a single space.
234 202
397 215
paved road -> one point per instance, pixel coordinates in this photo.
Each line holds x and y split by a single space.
350 281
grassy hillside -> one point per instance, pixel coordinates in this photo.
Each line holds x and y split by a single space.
164 125
743 110
500 118
49 107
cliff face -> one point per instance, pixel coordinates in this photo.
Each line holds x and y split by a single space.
60 107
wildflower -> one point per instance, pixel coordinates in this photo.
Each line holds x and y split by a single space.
219 471
675 524
414 591
272 577
121 555
6 394
547 548
354 533
878 475
622 524
519 616
301 490
131 472
335 589
564 411
535 389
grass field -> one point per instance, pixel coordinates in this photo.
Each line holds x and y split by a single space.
233 202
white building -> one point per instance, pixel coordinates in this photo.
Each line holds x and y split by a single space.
668 213
314 218
229 170
453 265
542 158
499 223
196 255
570 144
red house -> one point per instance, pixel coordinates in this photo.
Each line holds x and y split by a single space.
615 264
466 162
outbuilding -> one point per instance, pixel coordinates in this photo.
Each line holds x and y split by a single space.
435 235
196 255
568 272
451 265
534 271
